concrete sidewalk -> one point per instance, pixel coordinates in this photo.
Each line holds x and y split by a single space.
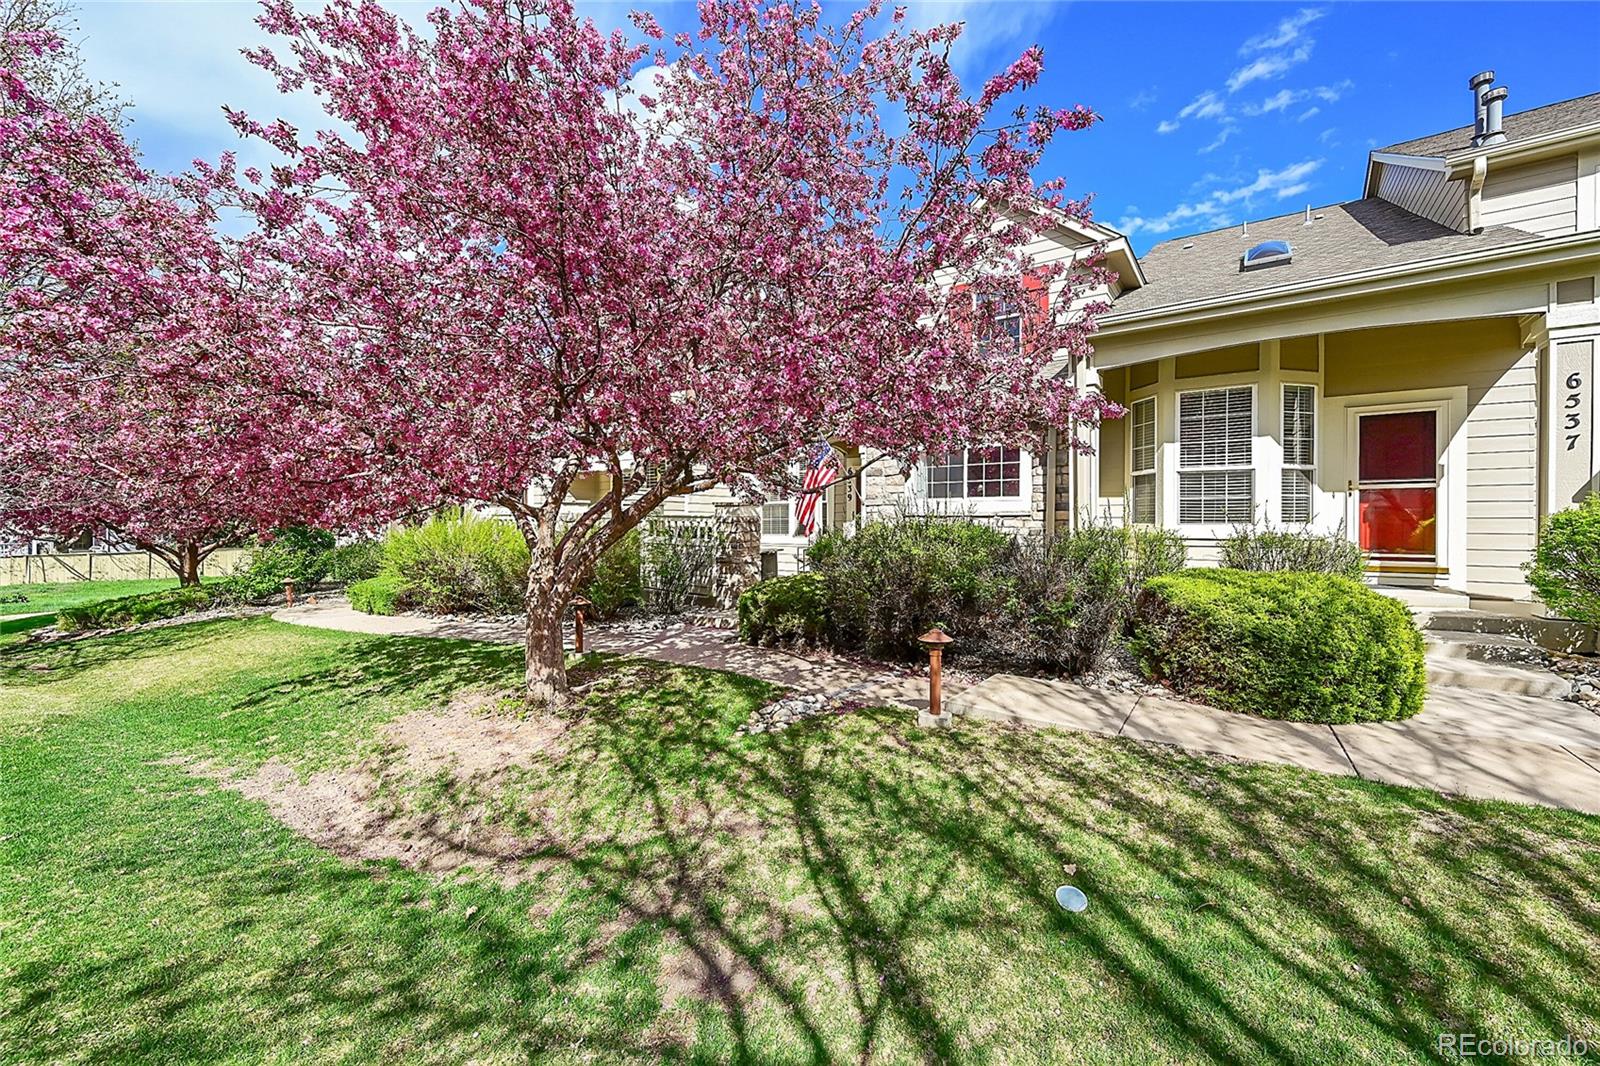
1492 745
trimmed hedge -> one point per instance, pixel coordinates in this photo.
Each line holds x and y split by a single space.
1293 646
134 610
377 595
1565 569
785 610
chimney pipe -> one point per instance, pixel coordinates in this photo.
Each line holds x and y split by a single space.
1493 122
1479 84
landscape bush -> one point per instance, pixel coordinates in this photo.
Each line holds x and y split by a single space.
458 563
1040 604
895 579
300 554
678 559
135 610
382 594
1300 551
1302 647
785 610
355 561
1565 569
615 584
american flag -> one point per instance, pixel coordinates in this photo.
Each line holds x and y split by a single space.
824 470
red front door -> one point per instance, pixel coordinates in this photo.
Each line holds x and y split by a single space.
1398 486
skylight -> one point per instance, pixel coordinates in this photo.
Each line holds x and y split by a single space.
1265 254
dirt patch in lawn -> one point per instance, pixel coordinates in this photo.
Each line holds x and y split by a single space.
371 810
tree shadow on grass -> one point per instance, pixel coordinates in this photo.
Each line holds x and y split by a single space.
855 888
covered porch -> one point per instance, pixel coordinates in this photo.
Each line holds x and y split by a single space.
1434 437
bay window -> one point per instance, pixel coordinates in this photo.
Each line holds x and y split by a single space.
1299 451
1216 430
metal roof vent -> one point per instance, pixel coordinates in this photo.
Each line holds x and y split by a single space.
1267 253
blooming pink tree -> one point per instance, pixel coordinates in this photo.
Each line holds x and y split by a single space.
537 250
128 331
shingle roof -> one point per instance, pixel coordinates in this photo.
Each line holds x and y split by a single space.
1518 127
1359 235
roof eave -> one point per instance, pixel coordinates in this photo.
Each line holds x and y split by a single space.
1398 159
1543 251
1459 164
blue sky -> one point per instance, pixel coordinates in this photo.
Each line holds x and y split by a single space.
1213 112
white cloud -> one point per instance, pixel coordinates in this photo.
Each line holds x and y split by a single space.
1142 99
1287 32
1265 68
1219 207
1166 126
1278 101
1207 105
1310 112
1228 130
989 28
1331 93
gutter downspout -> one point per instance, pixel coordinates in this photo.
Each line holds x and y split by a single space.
1480 171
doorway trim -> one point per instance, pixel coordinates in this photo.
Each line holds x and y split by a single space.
1450 566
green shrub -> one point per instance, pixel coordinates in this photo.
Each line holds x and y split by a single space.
678 558
895 579
1151 553
459 563
356 561
1296 646
299 554
1057 603
135 610
1565 569
785 610
1301 551
383 594
615 584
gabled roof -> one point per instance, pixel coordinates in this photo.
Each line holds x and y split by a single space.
1535 122
1346 238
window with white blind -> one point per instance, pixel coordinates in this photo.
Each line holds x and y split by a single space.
1216 430
1299 451
1142 449
777 519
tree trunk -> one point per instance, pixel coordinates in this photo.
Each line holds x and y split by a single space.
189 565
544 602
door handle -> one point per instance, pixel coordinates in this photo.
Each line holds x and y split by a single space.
1349 486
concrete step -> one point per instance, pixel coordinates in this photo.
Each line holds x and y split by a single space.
1462 673
1423 599
1554 634
1485 648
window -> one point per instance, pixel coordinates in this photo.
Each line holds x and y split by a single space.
1216 428
1142 434
1299 450
776 519
985 473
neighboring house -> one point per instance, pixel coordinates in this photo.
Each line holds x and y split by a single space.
1414 368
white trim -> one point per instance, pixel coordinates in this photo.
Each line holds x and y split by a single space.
1416 162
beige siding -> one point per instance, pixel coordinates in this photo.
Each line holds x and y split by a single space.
1501 427
1425 193
1538 197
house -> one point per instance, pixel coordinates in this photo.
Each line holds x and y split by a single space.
1413 369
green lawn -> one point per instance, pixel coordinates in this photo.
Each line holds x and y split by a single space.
854 889
55 596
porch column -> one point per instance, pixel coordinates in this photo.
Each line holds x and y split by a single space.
1571 359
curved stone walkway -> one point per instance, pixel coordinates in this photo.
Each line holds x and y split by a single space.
1490 745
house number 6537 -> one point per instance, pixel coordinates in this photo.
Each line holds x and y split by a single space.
1574 409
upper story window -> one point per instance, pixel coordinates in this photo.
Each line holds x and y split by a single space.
1216 430
1142 452
983 473
1299 451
